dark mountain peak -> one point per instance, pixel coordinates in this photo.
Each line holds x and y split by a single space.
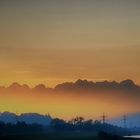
40 88
83 84
63 86
6 113
79 81
25 86
8 117
102 85
128 84
16 86
106 84
78 85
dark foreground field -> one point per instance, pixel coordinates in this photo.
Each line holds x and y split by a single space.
99 136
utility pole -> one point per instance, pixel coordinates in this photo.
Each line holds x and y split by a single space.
104 118
124 119
17 117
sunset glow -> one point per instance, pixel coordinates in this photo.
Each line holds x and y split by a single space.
55 41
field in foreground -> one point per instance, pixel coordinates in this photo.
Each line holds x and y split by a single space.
99 136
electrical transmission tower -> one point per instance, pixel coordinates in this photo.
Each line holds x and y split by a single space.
104 118
124 119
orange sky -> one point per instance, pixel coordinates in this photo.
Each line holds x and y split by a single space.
55 41
69 105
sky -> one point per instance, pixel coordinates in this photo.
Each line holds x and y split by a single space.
53 41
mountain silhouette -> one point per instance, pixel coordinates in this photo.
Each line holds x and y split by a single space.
8 117
104 85
17 87
129 84
41 88
79 85
31 118
28 118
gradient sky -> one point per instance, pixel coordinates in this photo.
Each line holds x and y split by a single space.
52 41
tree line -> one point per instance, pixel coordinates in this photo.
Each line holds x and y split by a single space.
75 125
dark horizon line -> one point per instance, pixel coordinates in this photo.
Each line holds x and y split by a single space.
73 82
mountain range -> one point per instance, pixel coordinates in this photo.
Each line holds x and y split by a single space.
79 85
82 97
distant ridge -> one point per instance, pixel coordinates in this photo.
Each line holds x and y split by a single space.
35 118
28 118
77 85
105 85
